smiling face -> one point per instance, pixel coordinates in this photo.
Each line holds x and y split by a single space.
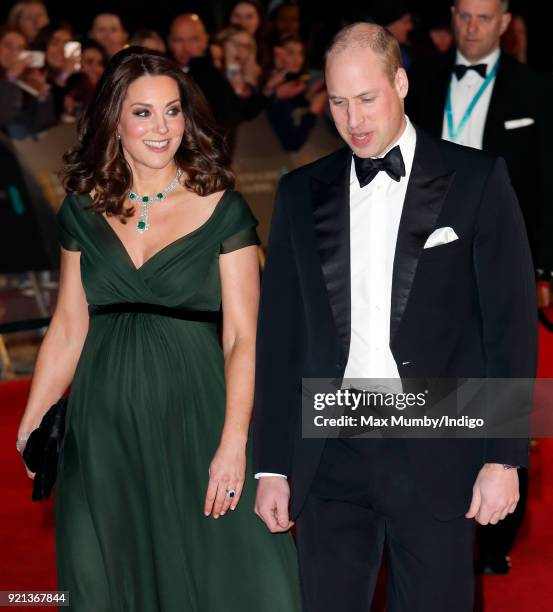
366 104
151 124
478 26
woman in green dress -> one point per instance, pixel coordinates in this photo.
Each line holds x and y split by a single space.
154 240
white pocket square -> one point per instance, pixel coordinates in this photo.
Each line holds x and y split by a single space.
442 235
513 124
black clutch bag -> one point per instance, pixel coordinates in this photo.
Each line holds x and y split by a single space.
43 449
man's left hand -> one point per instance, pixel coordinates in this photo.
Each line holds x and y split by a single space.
494 495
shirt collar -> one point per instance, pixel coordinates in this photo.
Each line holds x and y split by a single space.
406 142
489 60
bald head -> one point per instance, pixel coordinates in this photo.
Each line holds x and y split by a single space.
368 36
187 38
366 88
187 19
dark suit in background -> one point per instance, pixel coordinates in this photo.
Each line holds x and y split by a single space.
519 92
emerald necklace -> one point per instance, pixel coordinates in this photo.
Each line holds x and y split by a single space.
146 201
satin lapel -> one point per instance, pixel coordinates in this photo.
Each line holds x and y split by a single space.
330 201
428 186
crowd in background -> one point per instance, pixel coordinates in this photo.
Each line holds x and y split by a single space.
262 60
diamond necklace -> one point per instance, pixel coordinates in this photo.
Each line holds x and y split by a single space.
146 201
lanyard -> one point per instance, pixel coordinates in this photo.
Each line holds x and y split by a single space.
455 132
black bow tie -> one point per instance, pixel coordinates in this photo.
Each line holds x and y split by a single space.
367 168
461 69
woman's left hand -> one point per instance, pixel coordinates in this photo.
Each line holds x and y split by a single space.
226 473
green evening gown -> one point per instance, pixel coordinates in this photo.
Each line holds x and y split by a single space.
144 419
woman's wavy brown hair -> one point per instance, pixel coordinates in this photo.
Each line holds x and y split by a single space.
97 162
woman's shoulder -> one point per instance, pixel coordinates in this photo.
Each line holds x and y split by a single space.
74 202
70 220
73 209
236 206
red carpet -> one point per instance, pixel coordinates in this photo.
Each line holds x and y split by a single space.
26 528
528 586
27 539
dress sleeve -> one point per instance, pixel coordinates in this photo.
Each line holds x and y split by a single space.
241 239
243 232
67 225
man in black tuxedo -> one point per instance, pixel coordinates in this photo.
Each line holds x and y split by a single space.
412 265
512 118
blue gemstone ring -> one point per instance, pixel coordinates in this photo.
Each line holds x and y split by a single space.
231 493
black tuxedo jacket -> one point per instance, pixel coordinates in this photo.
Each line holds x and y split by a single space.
466 308
519 92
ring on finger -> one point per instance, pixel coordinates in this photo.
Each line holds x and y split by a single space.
231 492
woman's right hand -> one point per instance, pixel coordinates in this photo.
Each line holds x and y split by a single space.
21 447
30 474
61 348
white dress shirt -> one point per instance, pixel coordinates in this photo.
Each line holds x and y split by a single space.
375 212
462 93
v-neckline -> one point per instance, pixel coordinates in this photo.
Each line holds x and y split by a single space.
167 246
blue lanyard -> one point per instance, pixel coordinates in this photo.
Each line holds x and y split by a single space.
454 133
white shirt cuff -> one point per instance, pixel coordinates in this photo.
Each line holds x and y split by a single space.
263 474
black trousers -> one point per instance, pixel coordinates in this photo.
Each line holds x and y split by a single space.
365 499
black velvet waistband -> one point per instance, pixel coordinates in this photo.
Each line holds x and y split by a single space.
204 316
